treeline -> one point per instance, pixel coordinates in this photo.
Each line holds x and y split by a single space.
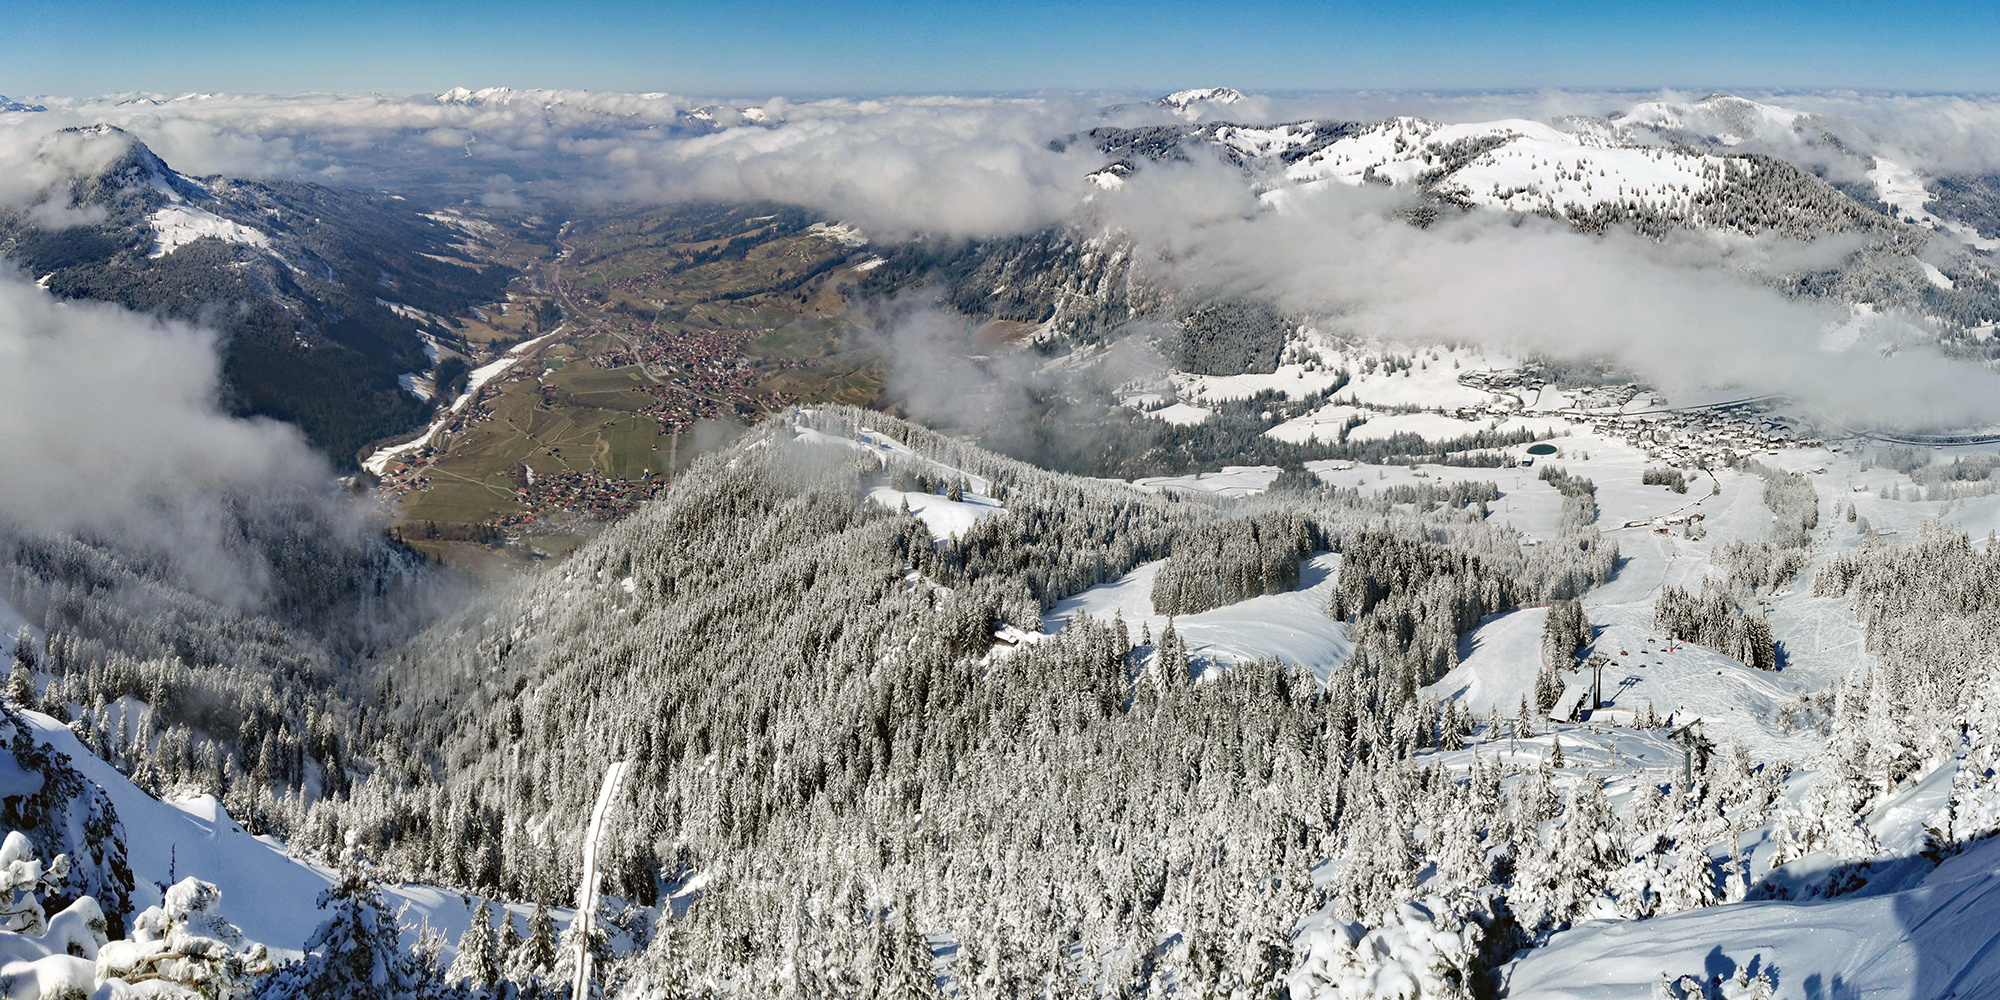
1710 617
1564 631
1576 558
1223 563
1408 600
1793 503
1575 489
1757 566
1462 493
1673 479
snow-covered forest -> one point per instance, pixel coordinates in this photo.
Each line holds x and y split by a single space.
861 764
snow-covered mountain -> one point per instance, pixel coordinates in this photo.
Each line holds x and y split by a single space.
1590 175
1197 102
7 105
330 288
1719 165
1721 120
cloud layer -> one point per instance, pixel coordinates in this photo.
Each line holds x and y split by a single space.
983 167
1669 311
112 432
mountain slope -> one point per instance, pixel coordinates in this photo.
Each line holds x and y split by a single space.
321 291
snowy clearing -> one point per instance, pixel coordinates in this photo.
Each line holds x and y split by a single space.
946 518
1232 481
176 226
1292 627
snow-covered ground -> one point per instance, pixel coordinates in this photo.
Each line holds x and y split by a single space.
1323 424
1180 414
1937 939
1431 383
1429 426
269 894
175 226
946 518
1293 626
1232 481
1913 932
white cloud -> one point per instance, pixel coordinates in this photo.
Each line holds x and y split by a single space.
1533 285
984 166
113 433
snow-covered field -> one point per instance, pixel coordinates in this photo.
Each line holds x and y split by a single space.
946 518
1293 627
1232 481
1323 424
1429 426
175 226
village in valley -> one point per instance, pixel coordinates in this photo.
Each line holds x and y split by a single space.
661 336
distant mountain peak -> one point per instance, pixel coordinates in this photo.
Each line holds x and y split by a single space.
473 98
1724 119
1181 100
8 104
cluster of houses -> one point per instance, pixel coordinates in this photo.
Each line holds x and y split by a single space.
1693 436
705 375
1703 438
566 500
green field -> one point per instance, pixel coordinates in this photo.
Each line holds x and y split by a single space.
752 276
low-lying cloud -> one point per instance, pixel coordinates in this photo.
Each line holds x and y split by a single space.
1679 311
947 165
113 433
1529 285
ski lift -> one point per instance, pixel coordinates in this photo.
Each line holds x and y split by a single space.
1693 745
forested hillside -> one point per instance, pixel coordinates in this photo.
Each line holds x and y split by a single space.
805 683
325 294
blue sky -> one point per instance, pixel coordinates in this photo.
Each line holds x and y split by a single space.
88 47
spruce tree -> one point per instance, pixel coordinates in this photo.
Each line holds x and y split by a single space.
538 954
356 954
477 963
